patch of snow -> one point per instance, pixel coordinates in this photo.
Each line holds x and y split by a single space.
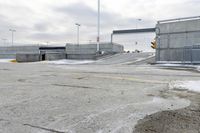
160 100
70 62
140 59
198 68
122 120
186 85
5 60
175 65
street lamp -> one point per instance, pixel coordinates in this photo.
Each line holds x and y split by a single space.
138 20
98 27
12 30
78 25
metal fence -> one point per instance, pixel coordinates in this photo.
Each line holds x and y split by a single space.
181 47
191 54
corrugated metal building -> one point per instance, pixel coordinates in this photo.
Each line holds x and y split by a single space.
178 40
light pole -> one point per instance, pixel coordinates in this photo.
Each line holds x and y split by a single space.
98 27
4 41
112 38
78 25
12 30
138 20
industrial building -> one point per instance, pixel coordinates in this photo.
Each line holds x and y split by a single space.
178 40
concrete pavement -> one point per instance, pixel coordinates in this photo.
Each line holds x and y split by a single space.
91 98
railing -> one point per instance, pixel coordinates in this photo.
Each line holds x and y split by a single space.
179 19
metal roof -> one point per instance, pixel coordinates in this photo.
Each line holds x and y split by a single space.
129 31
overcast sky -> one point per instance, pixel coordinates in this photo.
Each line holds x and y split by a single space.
39 21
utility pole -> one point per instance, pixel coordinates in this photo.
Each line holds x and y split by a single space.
112 38
78 25
12 31
98 28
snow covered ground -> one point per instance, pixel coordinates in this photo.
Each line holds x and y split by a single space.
5 60
177 65
70 62
39 98
196 67
186 85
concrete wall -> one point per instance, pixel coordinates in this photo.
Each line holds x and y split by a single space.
55 56
31 53
29 57
176 41
34 57
81 56
89 51
53 50
80 49
10 52
118 48
53 53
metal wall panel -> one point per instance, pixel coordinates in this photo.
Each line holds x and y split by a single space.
179 41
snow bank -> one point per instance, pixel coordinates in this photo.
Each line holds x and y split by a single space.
186 85
70 62
177 65
198 68
5 60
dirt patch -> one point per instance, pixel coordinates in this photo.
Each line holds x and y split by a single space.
185 120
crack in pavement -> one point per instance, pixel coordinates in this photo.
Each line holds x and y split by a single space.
80 87
3 120
38 127
43 128
76 86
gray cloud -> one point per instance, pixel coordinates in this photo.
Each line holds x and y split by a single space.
80 12
41 27
54 21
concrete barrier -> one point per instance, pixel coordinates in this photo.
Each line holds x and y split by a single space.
36 53
55 56
32 53
89 51
81 56
11 51
29 57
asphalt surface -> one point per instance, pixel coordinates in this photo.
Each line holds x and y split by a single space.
106 96
124 58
